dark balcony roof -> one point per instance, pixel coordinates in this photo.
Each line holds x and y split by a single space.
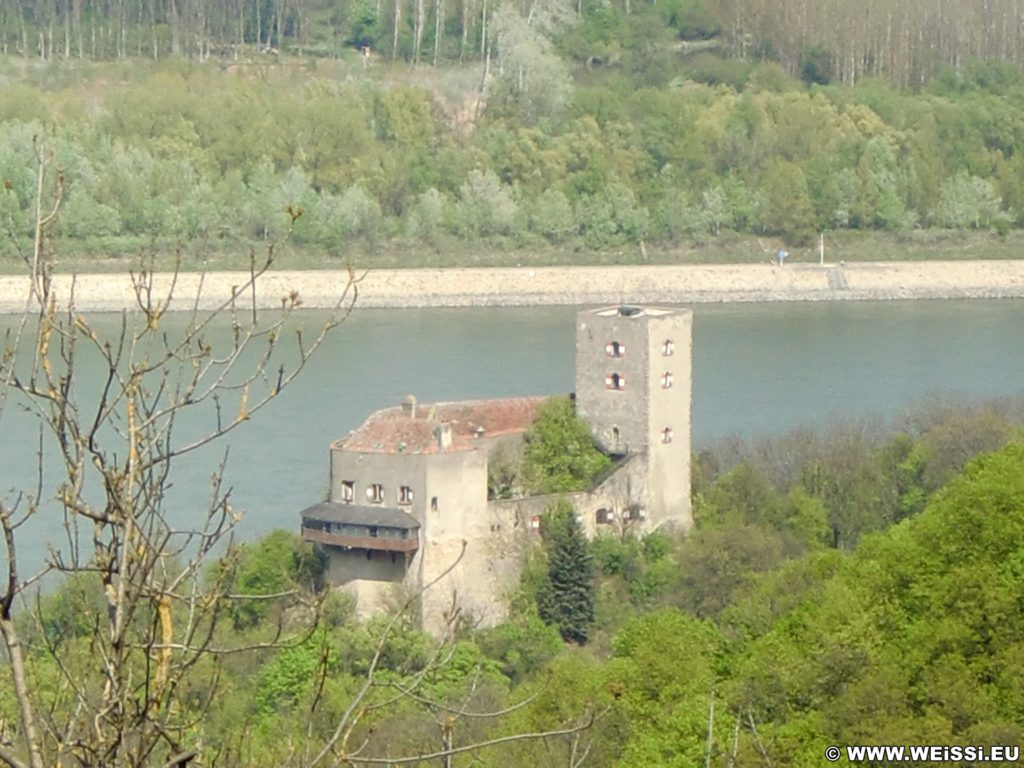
352 514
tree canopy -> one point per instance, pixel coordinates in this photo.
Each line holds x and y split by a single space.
561 455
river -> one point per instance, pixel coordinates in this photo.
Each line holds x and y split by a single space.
758 369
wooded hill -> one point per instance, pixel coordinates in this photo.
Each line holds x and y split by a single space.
543 126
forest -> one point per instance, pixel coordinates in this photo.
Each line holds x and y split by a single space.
477 134
844 585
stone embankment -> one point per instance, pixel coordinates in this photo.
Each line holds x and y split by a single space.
555 285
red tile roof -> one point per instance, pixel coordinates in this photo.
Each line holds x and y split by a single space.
393 431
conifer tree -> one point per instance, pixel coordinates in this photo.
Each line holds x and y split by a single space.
566 599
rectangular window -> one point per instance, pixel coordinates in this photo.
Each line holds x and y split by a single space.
405 495
375 493
605 516
634 513
433 504
348 491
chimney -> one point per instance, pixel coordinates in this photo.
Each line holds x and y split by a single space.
444 436
409 406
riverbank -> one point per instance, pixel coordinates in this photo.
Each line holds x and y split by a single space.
529 286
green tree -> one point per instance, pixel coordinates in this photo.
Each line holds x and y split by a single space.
551 216
486 207
967 202
566 599
665 665
787 209
278 564
560 454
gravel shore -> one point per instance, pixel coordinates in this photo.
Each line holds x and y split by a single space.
555 285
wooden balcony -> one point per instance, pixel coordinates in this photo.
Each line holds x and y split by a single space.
378 543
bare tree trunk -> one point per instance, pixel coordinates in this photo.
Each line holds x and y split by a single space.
152 30
16 660
482 94
483 35
438 27
300 20
398 22
175 22
122 35
139 26
466 15
24 35
77 6
418 32
67 33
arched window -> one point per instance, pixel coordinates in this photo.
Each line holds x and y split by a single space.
615 349
666 380
666 435
668 347
615 381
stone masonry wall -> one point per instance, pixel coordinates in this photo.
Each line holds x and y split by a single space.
522 286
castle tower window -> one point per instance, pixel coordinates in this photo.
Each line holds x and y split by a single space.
615 381
348 491
375 493
668 347
405 495
605 516
433 503
666 380
666 435
615 435
615 349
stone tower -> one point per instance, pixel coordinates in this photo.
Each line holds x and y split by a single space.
633 386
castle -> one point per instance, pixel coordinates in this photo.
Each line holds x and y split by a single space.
408 499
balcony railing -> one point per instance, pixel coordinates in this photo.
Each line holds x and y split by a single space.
379 543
